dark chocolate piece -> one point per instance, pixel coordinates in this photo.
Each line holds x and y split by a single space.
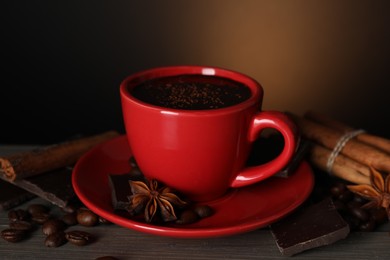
303 148
120 189
54 186
12 196
309 227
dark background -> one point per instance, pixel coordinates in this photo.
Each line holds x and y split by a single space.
62 61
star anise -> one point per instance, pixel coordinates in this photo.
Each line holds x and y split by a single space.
378 193
149 197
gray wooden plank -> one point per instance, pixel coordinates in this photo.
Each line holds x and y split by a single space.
129 244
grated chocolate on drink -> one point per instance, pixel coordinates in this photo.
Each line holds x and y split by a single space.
192 92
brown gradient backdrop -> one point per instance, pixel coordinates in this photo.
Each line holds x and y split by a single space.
63 61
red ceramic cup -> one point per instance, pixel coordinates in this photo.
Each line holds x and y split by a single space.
202 153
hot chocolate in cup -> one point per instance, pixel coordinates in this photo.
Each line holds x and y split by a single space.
192 128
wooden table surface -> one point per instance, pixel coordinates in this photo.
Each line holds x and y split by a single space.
113 240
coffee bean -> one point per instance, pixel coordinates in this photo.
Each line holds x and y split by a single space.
367 226
203 211
21 225
379 215
352 221
70 219
79 238
104 221
360 213
106 258
346 196
56 239
40 218
353 204
187 217
359 199
13 235
86 217
339 205
52 226
337 189
37 209
18 214
70 209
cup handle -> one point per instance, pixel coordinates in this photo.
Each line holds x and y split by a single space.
280 122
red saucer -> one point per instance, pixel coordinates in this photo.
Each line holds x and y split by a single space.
241 210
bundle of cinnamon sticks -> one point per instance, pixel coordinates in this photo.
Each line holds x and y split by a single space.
357 154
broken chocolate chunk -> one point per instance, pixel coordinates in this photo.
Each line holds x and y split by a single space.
312 226
303 148
12 196
54 186
120 187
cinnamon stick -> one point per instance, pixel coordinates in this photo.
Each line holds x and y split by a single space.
327 121
343 167
354 149
376 141
22 165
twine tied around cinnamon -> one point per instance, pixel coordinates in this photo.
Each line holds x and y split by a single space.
352 157
339 146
